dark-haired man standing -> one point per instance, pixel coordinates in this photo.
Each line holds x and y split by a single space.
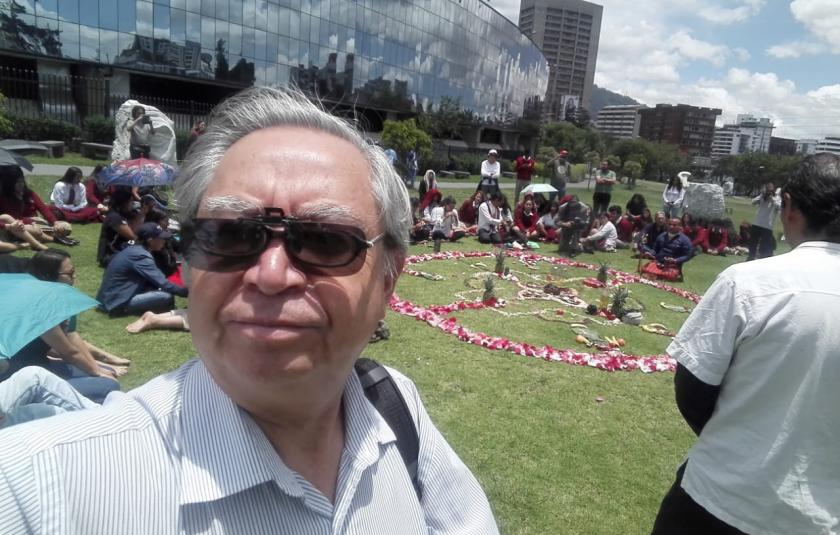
765 459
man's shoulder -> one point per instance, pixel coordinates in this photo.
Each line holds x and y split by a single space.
121 414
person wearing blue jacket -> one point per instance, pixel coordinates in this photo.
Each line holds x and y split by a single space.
670 251
132 283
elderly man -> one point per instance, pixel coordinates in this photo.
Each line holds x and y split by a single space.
294 230
757 381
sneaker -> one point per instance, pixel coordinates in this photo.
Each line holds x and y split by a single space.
63 240
517 245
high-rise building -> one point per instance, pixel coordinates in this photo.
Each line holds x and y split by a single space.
759 130
782 146
620 121
690 127
727 141
806 146
567 31
829 144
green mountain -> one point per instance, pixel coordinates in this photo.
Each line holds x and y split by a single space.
604 97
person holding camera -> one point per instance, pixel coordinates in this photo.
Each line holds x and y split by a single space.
141 130
762 243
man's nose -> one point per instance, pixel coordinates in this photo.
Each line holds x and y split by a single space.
275 271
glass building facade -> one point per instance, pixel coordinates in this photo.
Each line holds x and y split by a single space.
393 55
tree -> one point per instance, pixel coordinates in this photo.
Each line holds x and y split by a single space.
614 161
6 127
577 141
404 136
633 170
448 121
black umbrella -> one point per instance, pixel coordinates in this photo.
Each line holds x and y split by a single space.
8 157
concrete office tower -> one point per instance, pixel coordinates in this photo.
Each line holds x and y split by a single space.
691 128
567 32
829 144
620 121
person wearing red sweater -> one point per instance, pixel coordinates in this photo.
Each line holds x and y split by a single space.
468 212
716 240
526 218
95 195
23 204
525 167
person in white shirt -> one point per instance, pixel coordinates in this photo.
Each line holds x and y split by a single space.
448 226
491 170
603 239
756 380
672 198
490 219
69 198
762 243
141 129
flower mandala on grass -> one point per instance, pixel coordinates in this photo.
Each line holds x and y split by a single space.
609 359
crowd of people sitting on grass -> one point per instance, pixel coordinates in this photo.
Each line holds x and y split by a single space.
665 238
136 248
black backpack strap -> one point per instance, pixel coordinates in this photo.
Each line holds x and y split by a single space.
382 392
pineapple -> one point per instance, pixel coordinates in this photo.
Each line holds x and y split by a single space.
618 307
602 272
489 294
500 262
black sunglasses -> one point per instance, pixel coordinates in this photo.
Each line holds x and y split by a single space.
225 245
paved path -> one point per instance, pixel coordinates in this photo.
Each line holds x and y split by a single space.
51 169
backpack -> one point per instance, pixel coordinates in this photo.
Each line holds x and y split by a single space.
382 392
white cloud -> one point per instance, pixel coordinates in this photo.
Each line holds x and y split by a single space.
719 14
691 48
795 49
822 18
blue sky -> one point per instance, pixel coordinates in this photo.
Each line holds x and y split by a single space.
774 58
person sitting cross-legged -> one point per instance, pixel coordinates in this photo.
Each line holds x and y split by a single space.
132 283
447 226
526 218
490 219
604 239
671 250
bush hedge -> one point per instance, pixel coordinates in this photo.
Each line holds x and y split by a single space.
43 128
99 129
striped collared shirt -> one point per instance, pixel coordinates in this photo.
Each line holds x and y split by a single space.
178 456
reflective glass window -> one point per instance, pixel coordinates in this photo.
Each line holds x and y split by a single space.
89 12
261 14
283 17
193 27
283 50
89 43
271 47
108 18
47 8
108 45
222 9
208 8
145 15
222 32
27 5
294 24
304 27
194 6
178 25
248 42
69 10
178 4
235 39
260 48
208 32
273 18
127 15
294 52
162 2
69 39
161 22
235 9
249 13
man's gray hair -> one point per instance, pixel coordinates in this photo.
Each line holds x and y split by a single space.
262 107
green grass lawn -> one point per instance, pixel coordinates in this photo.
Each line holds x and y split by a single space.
551 458
69 158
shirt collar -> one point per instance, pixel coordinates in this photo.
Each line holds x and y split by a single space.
826 245
225 452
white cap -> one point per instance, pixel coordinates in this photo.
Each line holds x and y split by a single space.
492 151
